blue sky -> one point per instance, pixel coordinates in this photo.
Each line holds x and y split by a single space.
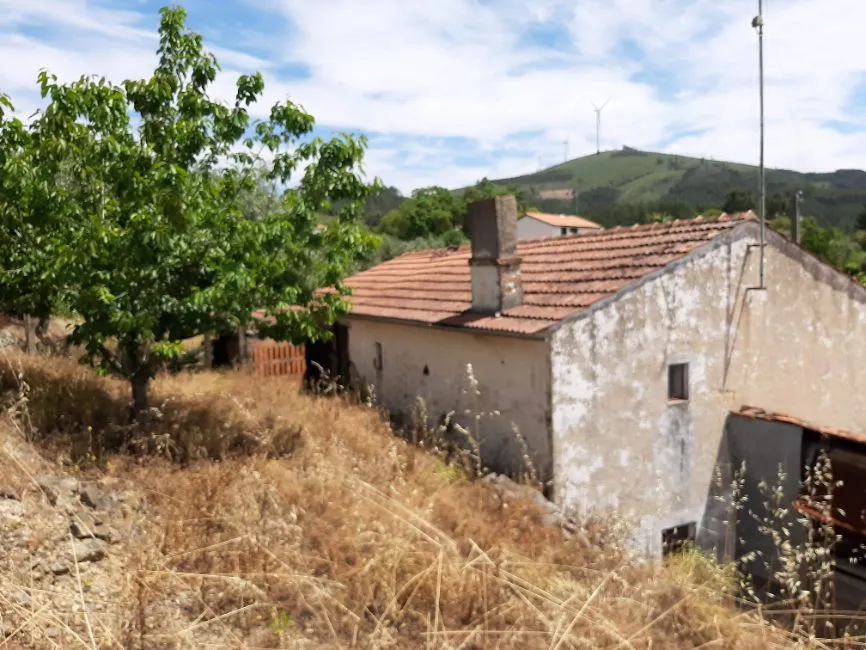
451 91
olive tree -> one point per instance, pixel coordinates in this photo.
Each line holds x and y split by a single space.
161 249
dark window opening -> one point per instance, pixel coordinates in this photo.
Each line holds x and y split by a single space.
377 361
426 370
677 538
678 381
564 231
573 231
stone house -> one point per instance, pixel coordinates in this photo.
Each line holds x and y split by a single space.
620 355
534 225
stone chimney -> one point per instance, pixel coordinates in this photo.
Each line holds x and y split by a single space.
494 266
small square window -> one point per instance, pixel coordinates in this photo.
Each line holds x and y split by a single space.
377 361
677 538
678 382
564 230
573 231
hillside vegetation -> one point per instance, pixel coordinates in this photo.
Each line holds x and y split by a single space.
244 514
632 177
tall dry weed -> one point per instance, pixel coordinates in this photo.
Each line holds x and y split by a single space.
354 537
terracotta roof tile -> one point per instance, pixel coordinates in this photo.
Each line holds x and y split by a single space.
561 276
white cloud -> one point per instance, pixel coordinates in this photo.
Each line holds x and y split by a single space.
413 73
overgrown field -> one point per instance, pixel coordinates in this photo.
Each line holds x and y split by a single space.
241 513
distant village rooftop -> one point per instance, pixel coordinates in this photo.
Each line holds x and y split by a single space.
563 220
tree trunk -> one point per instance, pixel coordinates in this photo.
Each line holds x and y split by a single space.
42 334
207 345
29 334
140 385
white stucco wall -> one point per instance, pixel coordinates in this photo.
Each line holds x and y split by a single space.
529 228
796 348
512 375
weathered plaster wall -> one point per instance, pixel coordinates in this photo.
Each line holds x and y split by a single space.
794 348
512 376
529 228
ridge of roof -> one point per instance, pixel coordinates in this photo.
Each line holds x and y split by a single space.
604 232
561 276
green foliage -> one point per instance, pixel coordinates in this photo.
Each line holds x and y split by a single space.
169 225
429 212
486 189
281 623
861 219
739 201
390 247
658 217
33 216
842 250
436 215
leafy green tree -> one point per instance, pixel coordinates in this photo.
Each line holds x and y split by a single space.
163 248
861 219
485 189
261 196
778 205
429 212
739 201
32 213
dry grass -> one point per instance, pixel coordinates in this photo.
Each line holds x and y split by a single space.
318 528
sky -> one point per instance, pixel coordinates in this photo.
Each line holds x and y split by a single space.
451 91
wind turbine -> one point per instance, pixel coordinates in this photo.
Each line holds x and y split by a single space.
598 110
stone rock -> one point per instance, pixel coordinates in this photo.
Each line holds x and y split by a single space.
81 530
9 493
552 515
7 339
107 534
10 509
23 598
89 550
93 497
58 568
57 489
83 525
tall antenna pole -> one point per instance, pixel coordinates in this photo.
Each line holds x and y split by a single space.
598 110
758 23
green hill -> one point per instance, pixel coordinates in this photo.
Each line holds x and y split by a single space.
655 181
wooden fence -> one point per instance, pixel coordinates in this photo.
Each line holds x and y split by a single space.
278 359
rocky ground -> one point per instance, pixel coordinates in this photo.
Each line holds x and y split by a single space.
62 544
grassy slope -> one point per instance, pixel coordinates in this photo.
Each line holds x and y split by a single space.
835 198
344 537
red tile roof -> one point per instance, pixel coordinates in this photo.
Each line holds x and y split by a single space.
563 220
561 276
755 412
